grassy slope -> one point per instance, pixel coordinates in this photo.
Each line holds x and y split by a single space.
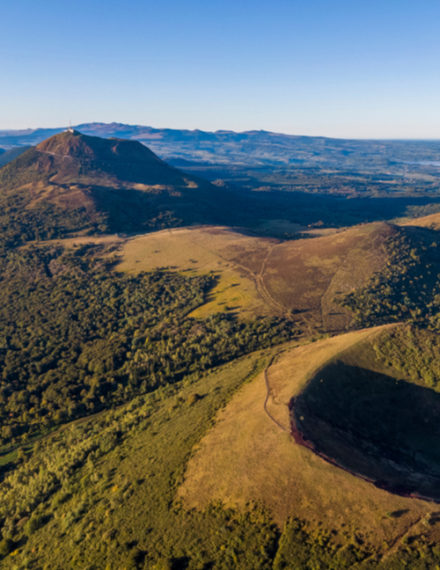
202 250
306 275
262 276
430 221
405 352
260 462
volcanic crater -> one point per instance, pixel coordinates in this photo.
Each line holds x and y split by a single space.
383 429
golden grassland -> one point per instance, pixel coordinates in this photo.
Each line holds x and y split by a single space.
262 276
201 250
431 221
247 457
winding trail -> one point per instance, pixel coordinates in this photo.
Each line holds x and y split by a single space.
261 286
258 279
269 395
55 154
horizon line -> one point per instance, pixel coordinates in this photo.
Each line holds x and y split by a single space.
217 131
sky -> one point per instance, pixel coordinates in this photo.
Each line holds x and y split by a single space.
339 68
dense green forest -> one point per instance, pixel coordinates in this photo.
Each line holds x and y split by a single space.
414 352
78 337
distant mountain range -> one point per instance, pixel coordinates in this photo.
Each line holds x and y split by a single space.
256 148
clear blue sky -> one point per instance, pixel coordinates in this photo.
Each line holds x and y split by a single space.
344 68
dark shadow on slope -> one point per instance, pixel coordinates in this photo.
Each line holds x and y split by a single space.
382 429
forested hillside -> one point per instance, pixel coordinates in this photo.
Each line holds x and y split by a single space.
78 337
408 289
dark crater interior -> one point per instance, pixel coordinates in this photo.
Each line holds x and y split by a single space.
380 428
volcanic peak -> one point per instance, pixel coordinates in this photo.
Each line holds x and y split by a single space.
76 145
71 157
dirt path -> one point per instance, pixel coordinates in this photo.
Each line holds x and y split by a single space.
262 289
55 154
270 395
257 278
394 546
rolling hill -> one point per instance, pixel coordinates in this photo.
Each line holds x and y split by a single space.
298 279
301 477
430 221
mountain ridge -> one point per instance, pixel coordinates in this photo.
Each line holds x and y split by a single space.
261 147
